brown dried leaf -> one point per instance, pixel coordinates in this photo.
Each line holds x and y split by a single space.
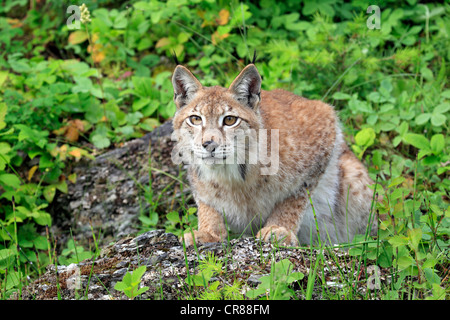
223 17
31 172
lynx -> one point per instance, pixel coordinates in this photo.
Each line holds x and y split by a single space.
308 175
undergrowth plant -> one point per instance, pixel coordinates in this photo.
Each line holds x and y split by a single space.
68 94
276 285
208 279
130 283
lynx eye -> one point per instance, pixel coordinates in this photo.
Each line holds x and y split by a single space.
229 120
195 120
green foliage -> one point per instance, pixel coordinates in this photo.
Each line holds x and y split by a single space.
276 285
73 254
176 224
68 94
210 267
130 283
413 245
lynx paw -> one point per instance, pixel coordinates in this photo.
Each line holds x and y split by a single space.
200 237
278 234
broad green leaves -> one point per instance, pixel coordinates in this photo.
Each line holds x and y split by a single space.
276 284
417 140
130 283
437 118
433 150
10 180
3 109
364 139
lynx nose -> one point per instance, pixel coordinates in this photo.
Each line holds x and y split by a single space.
210 145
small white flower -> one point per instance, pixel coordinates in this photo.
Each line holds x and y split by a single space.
85 14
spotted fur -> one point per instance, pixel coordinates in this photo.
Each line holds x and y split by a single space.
314 164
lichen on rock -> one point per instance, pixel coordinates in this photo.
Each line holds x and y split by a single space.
109 194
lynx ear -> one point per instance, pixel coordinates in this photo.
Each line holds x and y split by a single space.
246 88
185 86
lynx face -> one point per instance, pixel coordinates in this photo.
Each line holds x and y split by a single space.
214 126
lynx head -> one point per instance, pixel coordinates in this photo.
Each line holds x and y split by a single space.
212 125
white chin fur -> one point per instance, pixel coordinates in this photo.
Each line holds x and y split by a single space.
219 172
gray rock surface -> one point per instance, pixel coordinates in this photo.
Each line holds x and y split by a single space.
244 260
110 192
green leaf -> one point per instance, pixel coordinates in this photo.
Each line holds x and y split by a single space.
42 218
397 241
295 276
3 77
83 84
149 124
396 141
375 97
439 293
127 279
426 73
442 108
40 243
438 119
366 137
133 118
355 252
62 186
422 118
6 255
20 66
10 180
143 87
138 104
152 220
414 235
431 276
417 140
254 293
168 110
120 286
387 126
46 161
341 96
396 181
423 153
405 261
150 109
4 158
3 109
101 141
437 143
386 84
142 290
403 129
137 274
13 279
4 148
49 193
173 216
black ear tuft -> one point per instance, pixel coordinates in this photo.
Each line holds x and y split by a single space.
246 88
185 86
175 59
254 57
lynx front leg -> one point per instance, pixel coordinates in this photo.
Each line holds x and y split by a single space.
284 222
211 227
